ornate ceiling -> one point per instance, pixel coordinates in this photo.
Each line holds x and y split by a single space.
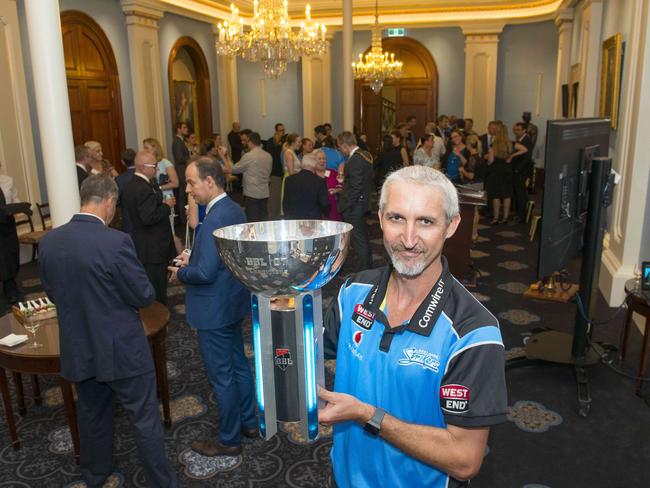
406 12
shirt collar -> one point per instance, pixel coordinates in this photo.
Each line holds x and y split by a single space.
353 151
82 167
213 201
143 177
92 215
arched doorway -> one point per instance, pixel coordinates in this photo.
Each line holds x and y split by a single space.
416 93
93 85
189 87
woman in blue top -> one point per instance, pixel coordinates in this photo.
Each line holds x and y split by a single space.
456 157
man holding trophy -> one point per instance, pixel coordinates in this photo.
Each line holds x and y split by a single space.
420 362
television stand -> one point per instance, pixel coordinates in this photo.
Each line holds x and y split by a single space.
577 349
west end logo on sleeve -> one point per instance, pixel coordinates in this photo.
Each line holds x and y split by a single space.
454 398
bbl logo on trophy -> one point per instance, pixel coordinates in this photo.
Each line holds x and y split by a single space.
283 358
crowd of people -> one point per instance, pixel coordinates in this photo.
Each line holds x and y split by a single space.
286 176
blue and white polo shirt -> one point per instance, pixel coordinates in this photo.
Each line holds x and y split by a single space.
445 366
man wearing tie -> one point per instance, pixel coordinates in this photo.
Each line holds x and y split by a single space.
92 274
354 203
149 218
215 304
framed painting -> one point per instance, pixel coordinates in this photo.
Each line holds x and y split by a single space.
185 104
574 85
610 78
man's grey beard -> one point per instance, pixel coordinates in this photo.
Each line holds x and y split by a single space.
409 271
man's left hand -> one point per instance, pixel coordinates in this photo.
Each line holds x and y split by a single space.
173 277
182 259
342 407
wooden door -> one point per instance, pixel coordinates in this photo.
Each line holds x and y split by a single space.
417 91
93 85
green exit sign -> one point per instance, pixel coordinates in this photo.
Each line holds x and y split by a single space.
396 32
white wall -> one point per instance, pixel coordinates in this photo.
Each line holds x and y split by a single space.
283 99
173 27
525 51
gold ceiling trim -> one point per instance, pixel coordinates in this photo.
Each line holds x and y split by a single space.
518 9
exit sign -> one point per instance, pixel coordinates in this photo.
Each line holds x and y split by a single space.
396 32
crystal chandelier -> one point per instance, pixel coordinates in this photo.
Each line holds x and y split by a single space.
377 65
270 38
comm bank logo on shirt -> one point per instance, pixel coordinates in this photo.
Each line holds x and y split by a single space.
362 317
426 359
454 398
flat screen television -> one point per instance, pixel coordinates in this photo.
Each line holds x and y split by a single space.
570 147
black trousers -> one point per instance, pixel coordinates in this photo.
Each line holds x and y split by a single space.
520 195
256 209
10 289
359 237
157 273
95 410
181 200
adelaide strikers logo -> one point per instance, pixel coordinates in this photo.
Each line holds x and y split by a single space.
420 357
282 358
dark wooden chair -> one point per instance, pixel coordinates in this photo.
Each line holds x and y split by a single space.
44 214
27 234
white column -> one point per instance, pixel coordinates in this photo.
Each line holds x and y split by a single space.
348 77
226 90
481 56
53 107
316 92
146 74
564 23
16 139
592 21
629 212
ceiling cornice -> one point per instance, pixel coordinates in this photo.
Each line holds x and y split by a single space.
407 14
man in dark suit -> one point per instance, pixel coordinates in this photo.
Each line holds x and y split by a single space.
149 217
128 159
305 193
181 155
487 138
92 274
522 167
215 304
354 203
234 140
82 158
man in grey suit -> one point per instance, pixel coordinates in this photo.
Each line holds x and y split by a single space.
92 273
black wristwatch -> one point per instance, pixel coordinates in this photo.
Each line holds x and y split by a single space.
373 426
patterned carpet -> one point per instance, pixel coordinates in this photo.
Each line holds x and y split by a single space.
543 444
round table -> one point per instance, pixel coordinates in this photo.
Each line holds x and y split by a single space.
637 300
46 360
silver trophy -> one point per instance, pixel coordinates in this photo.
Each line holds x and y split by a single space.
285 263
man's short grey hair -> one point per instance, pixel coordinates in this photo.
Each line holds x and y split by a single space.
96 189
424 176
309 162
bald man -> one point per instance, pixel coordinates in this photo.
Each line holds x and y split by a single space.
149 217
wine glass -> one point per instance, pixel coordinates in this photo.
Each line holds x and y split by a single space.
637 274
32 327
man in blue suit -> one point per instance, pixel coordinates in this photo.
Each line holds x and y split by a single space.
215 304
94 277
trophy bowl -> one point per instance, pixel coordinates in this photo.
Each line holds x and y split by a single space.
284 257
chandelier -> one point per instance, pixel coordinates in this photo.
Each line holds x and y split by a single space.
377 65
270 38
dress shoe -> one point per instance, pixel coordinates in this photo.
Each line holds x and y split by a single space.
210 449
251 433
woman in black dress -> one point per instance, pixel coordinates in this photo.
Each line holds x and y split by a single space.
391 158
499 181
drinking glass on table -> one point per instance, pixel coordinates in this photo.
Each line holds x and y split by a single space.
32 327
